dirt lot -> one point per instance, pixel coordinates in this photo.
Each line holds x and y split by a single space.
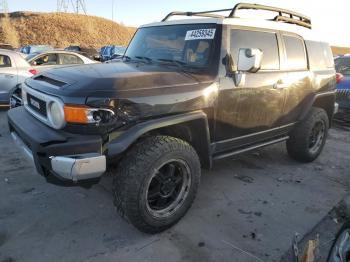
248 209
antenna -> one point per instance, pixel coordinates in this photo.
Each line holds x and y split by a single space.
4 8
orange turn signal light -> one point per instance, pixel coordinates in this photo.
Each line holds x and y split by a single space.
76 114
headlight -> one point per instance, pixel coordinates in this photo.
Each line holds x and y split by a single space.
56 115
87 115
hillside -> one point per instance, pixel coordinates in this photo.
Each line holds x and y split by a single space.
61 30
340 50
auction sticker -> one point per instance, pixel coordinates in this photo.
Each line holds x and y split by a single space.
200 34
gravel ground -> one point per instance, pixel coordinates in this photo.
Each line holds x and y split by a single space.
248 209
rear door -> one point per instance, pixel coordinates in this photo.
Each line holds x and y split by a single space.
8 77
297 85
251 111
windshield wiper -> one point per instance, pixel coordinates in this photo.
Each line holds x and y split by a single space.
147 59
128 58
184 67
173 61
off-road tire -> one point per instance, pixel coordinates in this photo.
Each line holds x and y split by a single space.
133 175
298 145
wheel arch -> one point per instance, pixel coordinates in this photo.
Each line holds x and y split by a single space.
325 101
191 127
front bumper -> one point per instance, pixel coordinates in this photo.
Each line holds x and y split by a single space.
60 157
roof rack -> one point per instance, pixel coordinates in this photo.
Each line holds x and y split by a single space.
202 13
284 15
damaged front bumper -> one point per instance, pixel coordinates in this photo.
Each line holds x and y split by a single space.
61 157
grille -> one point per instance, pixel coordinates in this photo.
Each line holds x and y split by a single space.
343 94
37 105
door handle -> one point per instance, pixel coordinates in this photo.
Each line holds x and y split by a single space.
9 76
280 85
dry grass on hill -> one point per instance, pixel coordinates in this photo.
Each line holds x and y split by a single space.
61 30
340 50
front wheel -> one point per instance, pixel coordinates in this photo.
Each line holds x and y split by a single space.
156 183
308 138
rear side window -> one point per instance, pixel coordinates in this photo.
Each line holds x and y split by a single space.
49 59
68 59
295 51
320 55
266 42
5 61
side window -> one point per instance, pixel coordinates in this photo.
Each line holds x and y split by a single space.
266 42
296 55
68 59
49 59
5 61
320 55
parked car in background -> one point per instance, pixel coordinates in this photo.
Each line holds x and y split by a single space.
14 69
105 53
51 59
91 53
45 61
6 46
29 49
117 52
73 48
111 52
342 66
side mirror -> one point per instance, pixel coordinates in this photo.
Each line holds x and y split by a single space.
249 60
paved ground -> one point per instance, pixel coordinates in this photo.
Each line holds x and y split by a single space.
248 209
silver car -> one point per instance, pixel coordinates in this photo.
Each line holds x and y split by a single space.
14 69
52 59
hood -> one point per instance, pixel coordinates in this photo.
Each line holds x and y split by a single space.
120 78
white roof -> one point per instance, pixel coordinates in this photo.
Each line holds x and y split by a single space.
307 34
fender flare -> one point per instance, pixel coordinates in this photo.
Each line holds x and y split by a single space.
123 140
328 96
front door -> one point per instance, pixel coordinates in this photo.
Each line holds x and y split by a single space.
251 108
8 77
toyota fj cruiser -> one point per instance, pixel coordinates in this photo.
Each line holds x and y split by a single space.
186 93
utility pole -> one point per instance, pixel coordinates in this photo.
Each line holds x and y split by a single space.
4 8
62 6
77 5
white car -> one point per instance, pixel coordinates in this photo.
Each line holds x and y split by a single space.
14 69
52 59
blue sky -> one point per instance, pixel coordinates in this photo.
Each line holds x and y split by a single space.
329 18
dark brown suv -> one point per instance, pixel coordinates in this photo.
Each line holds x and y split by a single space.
186 93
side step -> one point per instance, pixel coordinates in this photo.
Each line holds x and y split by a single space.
246 149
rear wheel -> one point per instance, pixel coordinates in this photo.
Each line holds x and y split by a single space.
156 183
308 138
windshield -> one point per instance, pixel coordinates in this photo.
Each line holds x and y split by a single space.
188 45
342 65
